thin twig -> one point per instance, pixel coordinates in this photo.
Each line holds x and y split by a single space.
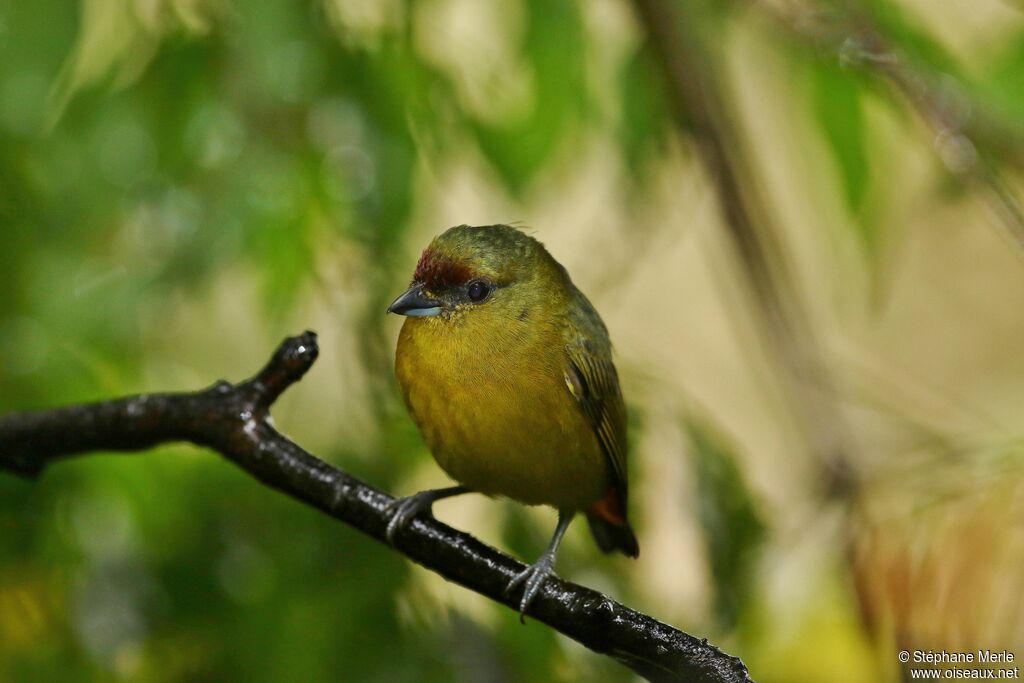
233 419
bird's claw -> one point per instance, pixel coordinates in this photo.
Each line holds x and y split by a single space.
404 509
532 579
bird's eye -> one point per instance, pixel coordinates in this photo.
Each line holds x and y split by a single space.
478 291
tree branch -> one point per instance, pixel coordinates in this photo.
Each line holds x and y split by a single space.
233 419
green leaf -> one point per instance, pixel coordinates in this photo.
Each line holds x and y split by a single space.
839 113
1004 82
646 119
554 47
733 529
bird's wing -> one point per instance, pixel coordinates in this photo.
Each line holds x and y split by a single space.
594 383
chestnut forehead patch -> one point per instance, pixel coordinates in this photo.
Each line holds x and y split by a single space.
437 271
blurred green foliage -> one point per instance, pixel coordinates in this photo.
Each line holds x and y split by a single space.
840 113
732 525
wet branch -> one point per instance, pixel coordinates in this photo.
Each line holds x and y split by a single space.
233 419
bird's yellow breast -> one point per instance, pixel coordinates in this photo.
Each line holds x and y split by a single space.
495 410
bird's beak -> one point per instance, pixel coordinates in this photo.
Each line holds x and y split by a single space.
414 303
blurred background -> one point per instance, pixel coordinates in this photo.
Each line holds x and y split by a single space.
799 219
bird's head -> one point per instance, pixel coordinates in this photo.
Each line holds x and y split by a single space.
467 268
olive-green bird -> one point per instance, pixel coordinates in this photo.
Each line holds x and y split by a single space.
507 370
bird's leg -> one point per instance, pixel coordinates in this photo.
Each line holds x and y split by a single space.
405 509
534 575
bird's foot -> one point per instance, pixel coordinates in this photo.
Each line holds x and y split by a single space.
404 509
532 579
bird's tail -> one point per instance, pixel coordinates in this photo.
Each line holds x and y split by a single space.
609 525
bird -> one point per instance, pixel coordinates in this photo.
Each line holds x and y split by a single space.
506 369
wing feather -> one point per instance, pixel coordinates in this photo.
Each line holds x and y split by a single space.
594 383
